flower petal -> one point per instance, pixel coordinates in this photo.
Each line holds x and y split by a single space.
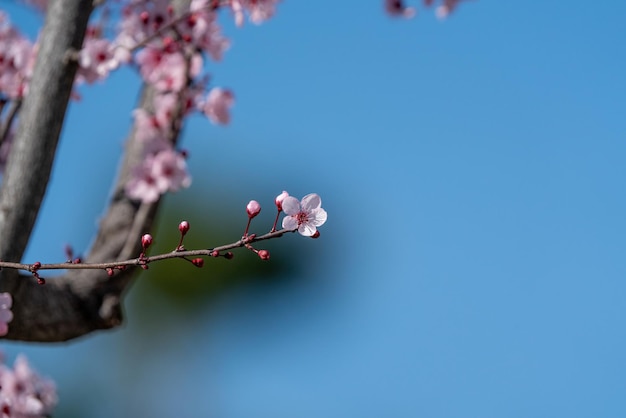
6 300
318 217
310 202
291 205
307 229
6 316
289 222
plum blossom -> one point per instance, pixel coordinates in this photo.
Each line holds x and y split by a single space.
16 60
258 10
305 215
6 316
218 104
98 58
397 8
445 9
203 31
141 19
23 393
161 172
167 71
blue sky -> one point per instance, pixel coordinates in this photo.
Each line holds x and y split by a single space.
472 264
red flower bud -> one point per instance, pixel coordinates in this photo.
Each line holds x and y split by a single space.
146 241
198 262
183 227
264 254
279 200
253 208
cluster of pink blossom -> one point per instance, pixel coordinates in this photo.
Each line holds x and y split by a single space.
16 60
258 10
23 393
171 50
302 216
400 9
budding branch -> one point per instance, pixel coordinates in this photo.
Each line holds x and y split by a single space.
142 261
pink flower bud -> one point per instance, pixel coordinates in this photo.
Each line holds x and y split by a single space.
279 200
215 253
110 272
146 241
264 254
41 281
253 209
183 227
198 262
36 266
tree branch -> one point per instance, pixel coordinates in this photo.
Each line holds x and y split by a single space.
80 301
41 119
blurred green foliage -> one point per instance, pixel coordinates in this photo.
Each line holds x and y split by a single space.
188 287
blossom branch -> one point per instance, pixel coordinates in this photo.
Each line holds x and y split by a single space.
142 261
171 24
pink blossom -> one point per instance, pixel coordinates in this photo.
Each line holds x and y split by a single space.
218 104
24 393
446 8
6 316
305 216
16 60
98 58
170 170
167 71
155 126
161 172
203 30
258 10
141 19
397 8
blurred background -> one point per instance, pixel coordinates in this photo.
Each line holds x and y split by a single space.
473 260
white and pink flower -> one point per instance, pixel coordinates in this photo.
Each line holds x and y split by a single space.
218 104
305 215
161 172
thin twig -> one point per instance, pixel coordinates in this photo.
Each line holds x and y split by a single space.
141 261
